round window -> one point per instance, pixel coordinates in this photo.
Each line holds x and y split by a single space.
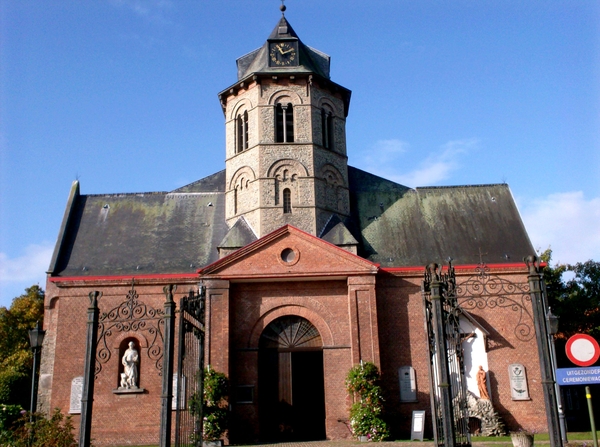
288 255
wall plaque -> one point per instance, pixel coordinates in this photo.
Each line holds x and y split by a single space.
408 384
76 393
518 382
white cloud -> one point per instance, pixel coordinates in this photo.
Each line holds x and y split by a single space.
567 222
385 159
30 266
24 271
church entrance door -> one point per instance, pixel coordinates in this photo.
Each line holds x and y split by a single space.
291 386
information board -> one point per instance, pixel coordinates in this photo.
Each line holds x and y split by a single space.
417 426
578 376
76 393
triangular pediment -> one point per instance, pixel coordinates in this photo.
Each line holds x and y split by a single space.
289 253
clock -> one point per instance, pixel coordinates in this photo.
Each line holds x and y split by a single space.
282 54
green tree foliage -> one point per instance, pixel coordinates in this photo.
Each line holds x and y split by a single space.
576 301
15 354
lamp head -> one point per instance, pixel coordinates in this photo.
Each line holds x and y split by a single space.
36 336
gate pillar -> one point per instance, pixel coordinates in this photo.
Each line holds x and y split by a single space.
541 334
441 360
87 399
167 377
217 324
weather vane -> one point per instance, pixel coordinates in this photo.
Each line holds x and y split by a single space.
282 7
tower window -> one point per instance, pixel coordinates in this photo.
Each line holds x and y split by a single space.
241 129
235 200
287 201
327 128
284 123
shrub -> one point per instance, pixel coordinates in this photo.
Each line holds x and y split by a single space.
365 414
214 412
8 416
41 432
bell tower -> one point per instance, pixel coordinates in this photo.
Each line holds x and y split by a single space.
285 124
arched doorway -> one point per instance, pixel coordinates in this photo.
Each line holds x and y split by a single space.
291 386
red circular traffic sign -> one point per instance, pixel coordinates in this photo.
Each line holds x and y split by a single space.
583 350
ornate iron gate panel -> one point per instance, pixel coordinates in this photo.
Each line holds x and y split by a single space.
448 390
190 370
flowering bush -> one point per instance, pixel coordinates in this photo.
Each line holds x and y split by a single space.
365 414
214 410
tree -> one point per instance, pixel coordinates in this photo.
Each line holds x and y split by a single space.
576 301
16 358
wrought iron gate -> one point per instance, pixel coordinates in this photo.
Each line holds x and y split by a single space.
448 391
190 370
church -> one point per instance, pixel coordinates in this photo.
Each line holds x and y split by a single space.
310 266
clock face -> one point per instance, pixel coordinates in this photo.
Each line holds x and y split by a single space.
283 54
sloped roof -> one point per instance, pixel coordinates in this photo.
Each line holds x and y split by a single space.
335 232
395 226
310 59
400 226
239 235
145 233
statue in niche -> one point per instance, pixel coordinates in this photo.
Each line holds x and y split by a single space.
130 360
482 384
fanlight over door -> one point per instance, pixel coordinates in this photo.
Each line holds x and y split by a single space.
288 333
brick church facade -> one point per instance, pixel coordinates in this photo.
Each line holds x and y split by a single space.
310 267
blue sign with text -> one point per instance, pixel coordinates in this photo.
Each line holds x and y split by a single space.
578 376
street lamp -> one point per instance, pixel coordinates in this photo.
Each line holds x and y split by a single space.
552 321
36 340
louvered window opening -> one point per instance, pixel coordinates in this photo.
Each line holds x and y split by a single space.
242 132
327 128
284 123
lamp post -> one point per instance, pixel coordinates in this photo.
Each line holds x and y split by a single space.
36 339
552 321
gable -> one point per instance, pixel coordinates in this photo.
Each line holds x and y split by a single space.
289 253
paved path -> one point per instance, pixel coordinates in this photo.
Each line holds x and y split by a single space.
383 444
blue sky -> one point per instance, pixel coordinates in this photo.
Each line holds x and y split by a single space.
122 95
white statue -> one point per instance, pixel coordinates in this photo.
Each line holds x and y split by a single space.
129 376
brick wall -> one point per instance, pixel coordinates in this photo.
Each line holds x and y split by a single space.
374 319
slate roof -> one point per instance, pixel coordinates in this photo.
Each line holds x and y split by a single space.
257 61
144 233
395 226
400 226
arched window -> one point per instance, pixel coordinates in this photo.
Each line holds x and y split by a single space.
241 130
235 200
327 128
287 201
284 123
